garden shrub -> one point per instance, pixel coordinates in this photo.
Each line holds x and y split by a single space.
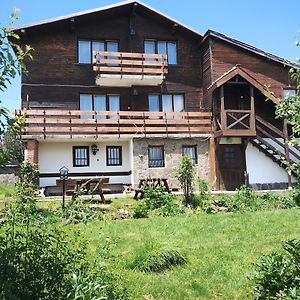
27 187
77 211
158 260
185 175
156 202
140 211
34 260
296 194
277 275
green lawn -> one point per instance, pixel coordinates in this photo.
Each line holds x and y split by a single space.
6 191
220 249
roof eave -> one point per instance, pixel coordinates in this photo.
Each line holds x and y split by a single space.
250 48
99 9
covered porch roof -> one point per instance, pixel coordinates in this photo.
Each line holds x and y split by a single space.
238 70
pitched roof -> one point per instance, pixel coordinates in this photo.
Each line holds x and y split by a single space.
237 70
101 9
249 48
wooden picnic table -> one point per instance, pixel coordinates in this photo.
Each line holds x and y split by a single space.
155 182
94 185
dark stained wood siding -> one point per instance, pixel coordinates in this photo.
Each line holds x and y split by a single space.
55 79
225 56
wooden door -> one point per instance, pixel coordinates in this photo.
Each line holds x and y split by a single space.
232 166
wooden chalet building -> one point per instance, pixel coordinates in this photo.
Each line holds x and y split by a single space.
124 91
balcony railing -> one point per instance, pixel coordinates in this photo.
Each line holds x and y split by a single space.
127 69
236 122
48 123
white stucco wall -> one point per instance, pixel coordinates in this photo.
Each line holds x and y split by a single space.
262 169
54 155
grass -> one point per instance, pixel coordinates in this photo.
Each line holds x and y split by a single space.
6 191
220 249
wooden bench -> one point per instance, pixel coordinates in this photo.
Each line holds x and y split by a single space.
155 182
92 185
70 186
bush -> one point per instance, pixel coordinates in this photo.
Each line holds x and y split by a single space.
34 261
277 275
156 202
140 211
158 260
185 175
76 211
27 187
296 194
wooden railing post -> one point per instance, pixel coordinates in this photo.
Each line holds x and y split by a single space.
252 114
44 129
223 112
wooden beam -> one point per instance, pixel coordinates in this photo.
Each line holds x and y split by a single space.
213 163
223 113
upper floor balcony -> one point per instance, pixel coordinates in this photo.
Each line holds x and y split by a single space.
42 124
124 69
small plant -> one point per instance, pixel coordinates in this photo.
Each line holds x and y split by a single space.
245 199
140 211
76 211
158 260
27 187
296 194
156 202
204 192
277 275
185 175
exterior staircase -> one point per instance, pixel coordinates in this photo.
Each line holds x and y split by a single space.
271 141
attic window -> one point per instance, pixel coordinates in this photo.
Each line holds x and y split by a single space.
288 92
87 47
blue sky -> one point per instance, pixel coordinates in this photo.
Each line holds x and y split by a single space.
272 25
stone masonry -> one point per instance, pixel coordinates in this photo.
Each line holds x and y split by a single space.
173 153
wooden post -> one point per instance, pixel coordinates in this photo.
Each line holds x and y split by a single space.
287 151
212 163
252 114
223 114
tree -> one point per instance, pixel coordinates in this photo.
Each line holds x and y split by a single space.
289 109
12 58
185 175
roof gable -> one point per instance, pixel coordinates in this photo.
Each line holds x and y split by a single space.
237 70
248 47
103 9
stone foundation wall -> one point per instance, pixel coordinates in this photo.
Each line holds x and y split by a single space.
173 153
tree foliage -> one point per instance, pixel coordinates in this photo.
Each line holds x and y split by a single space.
289 109
185 175
12 57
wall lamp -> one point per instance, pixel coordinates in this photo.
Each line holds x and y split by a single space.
95 149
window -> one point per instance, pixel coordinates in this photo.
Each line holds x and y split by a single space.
156 156
81 156
99 103
162 47
87 47
229 155
286 93
114 155
190 151
166 103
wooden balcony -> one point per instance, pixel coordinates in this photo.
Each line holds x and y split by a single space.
55 123
236 123
127 69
